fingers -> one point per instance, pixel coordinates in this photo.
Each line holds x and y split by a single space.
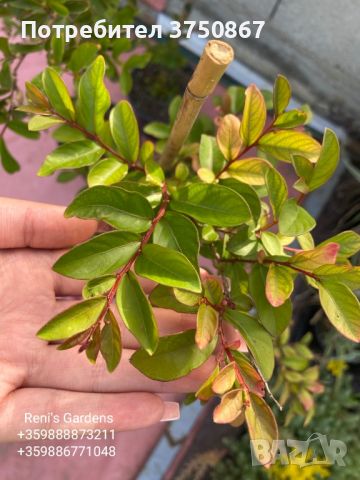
68 370
127 411
37 225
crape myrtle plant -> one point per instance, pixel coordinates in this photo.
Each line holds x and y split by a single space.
121 54
233 209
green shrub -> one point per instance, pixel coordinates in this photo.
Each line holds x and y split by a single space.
229 203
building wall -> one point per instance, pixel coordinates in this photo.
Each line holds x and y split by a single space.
315 43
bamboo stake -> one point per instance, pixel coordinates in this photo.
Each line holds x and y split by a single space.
215 59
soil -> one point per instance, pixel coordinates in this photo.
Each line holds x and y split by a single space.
154 87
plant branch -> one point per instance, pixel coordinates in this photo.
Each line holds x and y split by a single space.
246 149
299 201
10 97
127 267
238 374
268 261
95 138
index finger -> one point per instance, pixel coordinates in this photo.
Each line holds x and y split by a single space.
40 225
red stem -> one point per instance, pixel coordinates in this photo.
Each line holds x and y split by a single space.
126 268
10 98
97 139
249 147
268 261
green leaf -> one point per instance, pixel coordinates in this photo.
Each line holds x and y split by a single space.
279 284
58 7
93 349
342 308
121 45
58 94
174 107
57 47
21 128
345 274
146 151
248 193
237 99
249 374
204 392
282 94
179 233
101 255
181 171
74 320
254 116
295 220
110 344
282 144
137 61
275 320
277 190
206 175
206 325
125 81
151 192
67 134
98 286
210 156
306 241
75 340
291 119
93 97
213 290
167 267
73 155
82 56
228 137
187 298
158 130
211 204
6 79
257 340
154 173
176 356
304 169
125 131
4 47
164 297
251 171
39 122
137 313
261 424
349 242
209 234
272 244
107 172
243 243
123 210
7 160
328 160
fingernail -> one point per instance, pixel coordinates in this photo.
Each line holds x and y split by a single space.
171 412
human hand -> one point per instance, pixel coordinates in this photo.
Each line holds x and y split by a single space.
39 379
